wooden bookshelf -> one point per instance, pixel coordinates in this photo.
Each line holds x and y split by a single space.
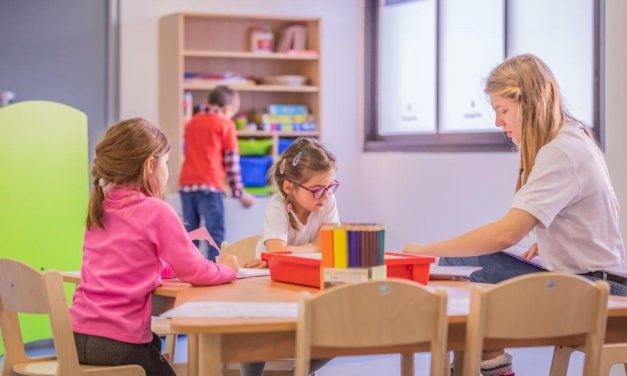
216 43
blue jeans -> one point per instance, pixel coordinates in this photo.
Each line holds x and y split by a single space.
208 206
498 267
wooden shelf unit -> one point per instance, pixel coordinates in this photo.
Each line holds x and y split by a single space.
217 43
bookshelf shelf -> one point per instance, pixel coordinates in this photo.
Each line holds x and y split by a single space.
250 55
212 44
277 134
258 88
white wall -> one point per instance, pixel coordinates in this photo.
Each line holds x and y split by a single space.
616 100
418 196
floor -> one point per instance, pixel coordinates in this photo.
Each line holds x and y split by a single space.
527 362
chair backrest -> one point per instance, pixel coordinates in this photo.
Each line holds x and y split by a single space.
25 290
373 314
538 306
243 249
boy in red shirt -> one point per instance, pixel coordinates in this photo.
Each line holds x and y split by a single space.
211 155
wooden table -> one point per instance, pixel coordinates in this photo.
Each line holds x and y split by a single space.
235 340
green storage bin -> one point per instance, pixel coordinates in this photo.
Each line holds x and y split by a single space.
255 146
260 191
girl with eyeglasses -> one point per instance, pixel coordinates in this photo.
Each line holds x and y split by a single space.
305 178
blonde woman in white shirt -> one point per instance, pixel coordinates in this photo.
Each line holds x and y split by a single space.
305 178
563 192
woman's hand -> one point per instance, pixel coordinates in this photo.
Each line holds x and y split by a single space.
228 260
414 248
258 264
531 252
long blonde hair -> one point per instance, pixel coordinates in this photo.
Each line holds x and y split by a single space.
298 163
528 80
122 157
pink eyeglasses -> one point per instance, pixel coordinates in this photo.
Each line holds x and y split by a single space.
319 192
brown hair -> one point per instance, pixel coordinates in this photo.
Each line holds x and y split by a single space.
222 96
122 157
528 80
298 163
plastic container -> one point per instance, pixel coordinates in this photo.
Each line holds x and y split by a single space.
286 267
254 170
261 40
260 191
284 143
254 146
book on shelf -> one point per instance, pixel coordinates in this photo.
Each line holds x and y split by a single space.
293 37
225 78
287 109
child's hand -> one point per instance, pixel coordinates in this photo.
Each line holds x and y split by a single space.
531 252
256 264
228 260
247 200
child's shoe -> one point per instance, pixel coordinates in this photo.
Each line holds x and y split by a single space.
499 366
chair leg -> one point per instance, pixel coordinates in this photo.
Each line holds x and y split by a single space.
458 363
561 358
170 347
407 364
613 354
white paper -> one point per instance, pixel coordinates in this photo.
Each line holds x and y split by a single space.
234 310
452 272
517 252
458 306
252 272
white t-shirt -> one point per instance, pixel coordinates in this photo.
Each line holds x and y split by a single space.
276 224
570 193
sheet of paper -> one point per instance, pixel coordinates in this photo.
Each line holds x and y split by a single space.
252 272
517 252
201 233
234 310
451 272
458 306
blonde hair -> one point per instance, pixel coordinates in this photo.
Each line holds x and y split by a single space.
528 80
302 159
122 157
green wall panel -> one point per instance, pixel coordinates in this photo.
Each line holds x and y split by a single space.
44 191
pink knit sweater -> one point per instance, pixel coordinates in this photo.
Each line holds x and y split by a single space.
122 263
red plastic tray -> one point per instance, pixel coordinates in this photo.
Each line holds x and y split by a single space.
285 267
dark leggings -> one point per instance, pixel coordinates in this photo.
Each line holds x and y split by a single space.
101 351
256 368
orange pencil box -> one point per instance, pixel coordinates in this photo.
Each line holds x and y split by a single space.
304 269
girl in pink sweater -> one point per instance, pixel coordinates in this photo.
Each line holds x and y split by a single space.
133 238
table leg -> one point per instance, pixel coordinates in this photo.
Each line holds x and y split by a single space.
192 354
210 354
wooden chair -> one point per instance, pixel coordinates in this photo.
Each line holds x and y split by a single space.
243 249
615 353
25 290
388 314
538 306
